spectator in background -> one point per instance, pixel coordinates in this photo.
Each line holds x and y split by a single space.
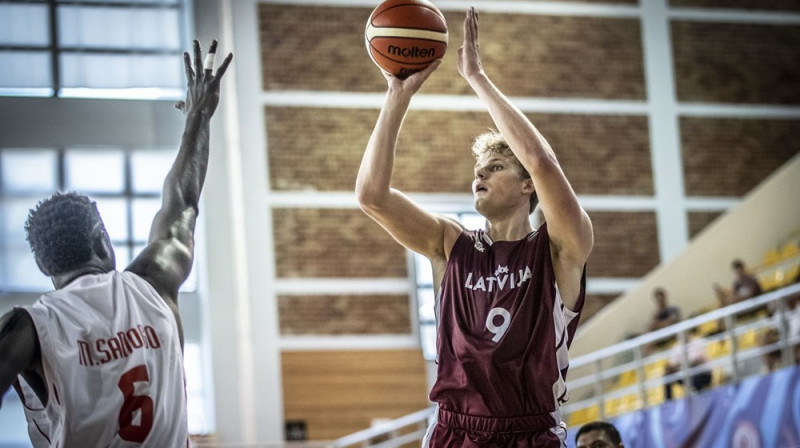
665 314
598 434
695 356
773 359
745 285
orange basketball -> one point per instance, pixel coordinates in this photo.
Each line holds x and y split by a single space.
405 36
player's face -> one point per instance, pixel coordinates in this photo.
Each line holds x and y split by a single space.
594 439
497 184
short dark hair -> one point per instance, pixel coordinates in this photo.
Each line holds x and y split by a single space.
607 428
59 231
737 264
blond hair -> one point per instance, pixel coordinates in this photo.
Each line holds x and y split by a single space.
492 142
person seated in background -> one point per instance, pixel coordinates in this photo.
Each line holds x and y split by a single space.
598 434
695 356
745 285
773 359
665 314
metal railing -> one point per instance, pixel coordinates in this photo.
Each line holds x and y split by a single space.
631 375
389 434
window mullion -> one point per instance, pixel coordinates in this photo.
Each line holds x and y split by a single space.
55 63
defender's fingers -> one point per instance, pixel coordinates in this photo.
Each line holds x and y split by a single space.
198 58
224 66
211 58
187 66
180 105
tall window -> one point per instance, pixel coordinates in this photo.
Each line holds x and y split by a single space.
126 183
110 48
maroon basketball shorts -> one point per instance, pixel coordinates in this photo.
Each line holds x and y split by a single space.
454 430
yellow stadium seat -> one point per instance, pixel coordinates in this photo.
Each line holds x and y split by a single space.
717 349
791 273
655 396
790 249
610 406
771 278
748 340
707 328
630 403
585 415
771 257
627 378
655 369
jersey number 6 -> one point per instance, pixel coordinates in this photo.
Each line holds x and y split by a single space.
128 430
498 330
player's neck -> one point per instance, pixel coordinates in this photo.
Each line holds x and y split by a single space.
64 279
508 230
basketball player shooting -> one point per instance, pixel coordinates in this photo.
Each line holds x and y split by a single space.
98 361
509 296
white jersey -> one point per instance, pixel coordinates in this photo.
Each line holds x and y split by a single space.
113 365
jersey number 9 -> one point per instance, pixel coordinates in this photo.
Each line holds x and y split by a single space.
498 330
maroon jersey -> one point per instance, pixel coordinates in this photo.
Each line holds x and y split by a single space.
503 331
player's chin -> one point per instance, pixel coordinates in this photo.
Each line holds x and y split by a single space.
480 204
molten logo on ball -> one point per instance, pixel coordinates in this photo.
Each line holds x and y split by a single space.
405 36
413 52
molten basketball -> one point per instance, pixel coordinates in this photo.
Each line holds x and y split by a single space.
405 36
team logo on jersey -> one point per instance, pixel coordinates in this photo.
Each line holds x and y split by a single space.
479 246
501 280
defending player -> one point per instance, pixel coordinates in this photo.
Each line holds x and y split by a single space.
98 361
509 296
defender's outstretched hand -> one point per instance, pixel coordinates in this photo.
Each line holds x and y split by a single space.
469 56
202 84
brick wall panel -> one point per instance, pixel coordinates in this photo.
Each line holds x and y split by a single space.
729 157
322 48
320 149
736 63
334 243
625 244
601 154
700 220
344 314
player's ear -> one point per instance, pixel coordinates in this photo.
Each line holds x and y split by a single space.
101 242
527 186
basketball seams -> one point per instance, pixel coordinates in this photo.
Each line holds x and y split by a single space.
405 33
419 39
414 4
398 61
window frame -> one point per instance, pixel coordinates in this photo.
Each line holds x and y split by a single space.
127 194
55 50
